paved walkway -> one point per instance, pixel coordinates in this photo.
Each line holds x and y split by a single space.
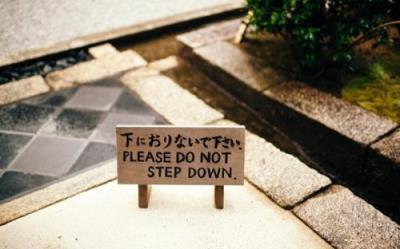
35 24
178 217
56 134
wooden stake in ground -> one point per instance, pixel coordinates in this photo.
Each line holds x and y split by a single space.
242 29
219 196
144 195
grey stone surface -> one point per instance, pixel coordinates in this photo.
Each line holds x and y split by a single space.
10 145
242 66
106 130
126 103
171 101
22 89
347 119
94 98
210 34
53 99
50 156
74 123
93 154
95 69
13 183
25 118
348 222
281 176
30 27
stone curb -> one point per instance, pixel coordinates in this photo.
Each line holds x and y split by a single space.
348 222
95 69
166 97
224 30
284 178
198 16
21 89
346 131
56 192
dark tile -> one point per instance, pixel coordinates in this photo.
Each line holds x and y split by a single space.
53 156
111 81
127 103
94 98
94 153
74 123
13 183
106 130
25 118
55 99
10 145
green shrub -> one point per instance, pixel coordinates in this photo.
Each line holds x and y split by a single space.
324 31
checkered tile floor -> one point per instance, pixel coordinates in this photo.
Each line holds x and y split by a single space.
56 134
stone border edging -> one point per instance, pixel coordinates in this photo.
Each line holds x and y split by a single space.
342 133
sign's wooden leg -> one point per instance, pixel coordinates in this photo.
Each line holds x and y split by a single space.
219 196
144 195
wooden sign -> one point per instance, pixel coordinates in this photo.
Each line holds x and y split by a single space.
212 155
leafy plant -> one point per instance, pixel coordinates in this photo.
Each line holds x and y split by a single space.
325 30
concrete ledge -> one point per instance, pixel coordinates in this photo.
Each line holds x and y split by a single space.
95 69
56 192
210 34
102 50
348 222
21 89
235 7
166 97
281 176
243 70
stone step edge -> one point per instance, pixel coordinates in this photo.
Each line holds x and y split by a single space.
240 89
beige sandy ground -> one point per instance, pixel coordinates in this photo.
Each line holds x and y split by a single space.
178 217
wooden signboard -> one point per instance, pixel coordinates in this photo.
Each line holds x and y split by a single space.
212 155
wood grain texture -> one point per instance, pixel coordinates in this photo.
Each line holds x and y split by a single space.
140 163
219 197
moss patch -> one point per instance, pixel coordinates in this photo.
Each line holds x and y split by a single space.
378 89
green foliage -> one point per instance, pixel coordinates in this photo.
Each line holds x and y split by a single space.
379 89
323 30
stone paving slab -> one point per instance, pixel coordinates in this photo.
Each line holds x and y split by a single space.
166 97
102 50
245 69
210 34
94 70
65 124
348 222
177 217
37 28
21 89
281 176
347 119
